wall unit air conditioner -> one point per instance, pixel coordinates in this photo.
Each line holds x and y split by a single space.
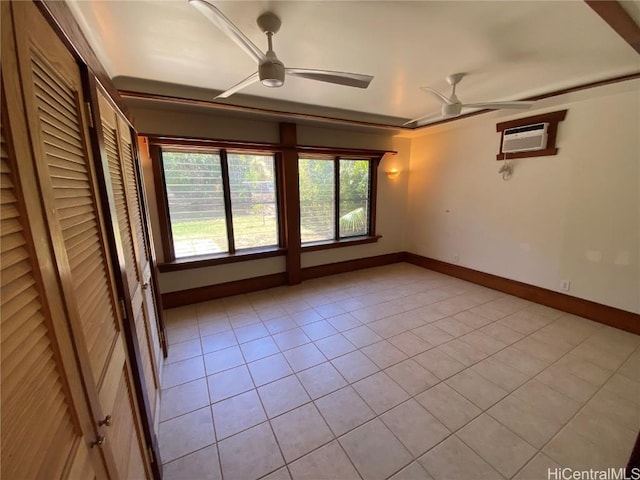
527 138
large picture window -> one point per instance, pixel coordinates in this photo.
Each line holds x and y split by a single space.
220 202
335 198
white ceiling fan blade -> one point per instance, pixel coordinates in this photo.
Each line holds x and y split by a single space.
340 78
440 97
253 78
228 28
500 105
431 116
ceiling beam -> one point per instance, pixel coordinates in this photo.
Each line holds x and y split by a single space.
617 17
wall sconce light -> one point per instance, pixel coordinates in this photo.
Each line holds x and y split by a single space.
393 173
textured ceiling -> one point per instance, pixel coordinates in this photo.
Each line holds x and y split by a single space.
511 50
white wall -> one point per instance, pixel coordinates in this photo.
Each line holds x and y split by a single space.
391 204
572 216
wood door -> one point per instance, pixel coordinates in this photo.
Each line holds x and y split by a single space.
57 123
118 160
46 424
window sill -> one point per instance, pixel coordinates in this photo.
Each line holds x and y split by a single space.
347 242
188 263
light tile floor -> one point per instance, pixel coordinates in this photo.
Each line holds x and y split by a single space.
395 372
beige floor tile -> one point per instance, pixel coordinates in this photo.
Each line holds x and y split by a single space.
223 360
304 356
384 354
432 334
237 413
260 348
529 422
471 319
538 468
631 367
282 395
546 401
182 372
524 322
279 325
496 444
318 330
521 361
387 327
280 474
344 410
462 352
329 310
321 380
326 463
483 342
257 444
291 338
410 343
488 311
201 465
334 346
270 312
610 358
452 459
413 472
185 434
439 363
500 373
183 398
306 316
453 327
251 332
448 406
416 428
375 451
183 351
565 382
615 409
501 333
300 431
219 341
380 392
476 388
362 336
183 330
354 366
229 383
584 369
411 376
211 326
344 321
572 450
624 387
269 369
540 350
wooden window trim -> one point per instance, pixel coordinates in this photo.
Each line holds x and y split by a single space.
343 242
286 155
552 117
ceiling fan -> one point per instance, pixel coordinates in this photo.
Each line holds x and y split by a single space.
452 107
271 71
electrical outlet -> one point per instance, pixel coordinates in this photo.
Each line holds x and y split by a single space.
456 258
565 285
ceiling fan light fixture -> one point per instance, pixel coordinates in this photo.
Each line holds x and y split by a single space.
271 74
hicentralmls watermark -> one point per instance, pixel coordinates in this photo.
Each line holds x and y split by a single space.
591 474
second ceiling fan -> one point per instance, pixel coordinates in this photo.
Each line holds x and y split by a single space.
271 71
452 107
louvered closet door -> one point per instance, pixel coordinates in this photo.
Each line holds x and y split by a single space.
41 436
54 105
120 166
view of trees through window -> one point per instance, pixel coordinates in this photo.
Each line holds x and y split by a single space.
195 194
318 198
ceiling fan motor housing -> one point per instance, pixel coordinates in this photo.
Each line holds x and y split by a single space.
271 73
452 109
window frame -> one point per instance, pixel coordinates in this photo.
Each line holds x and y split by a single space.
172 263
337 241
285 194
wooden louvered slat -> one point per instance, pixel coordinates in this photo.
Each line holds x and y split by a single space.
117 184
35 409
62 138
121 433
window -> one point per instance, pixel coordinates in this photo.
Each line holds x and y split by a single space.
335 198
220 202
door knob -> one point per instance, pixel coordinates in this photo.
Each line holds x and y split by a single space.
98 441
106 422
